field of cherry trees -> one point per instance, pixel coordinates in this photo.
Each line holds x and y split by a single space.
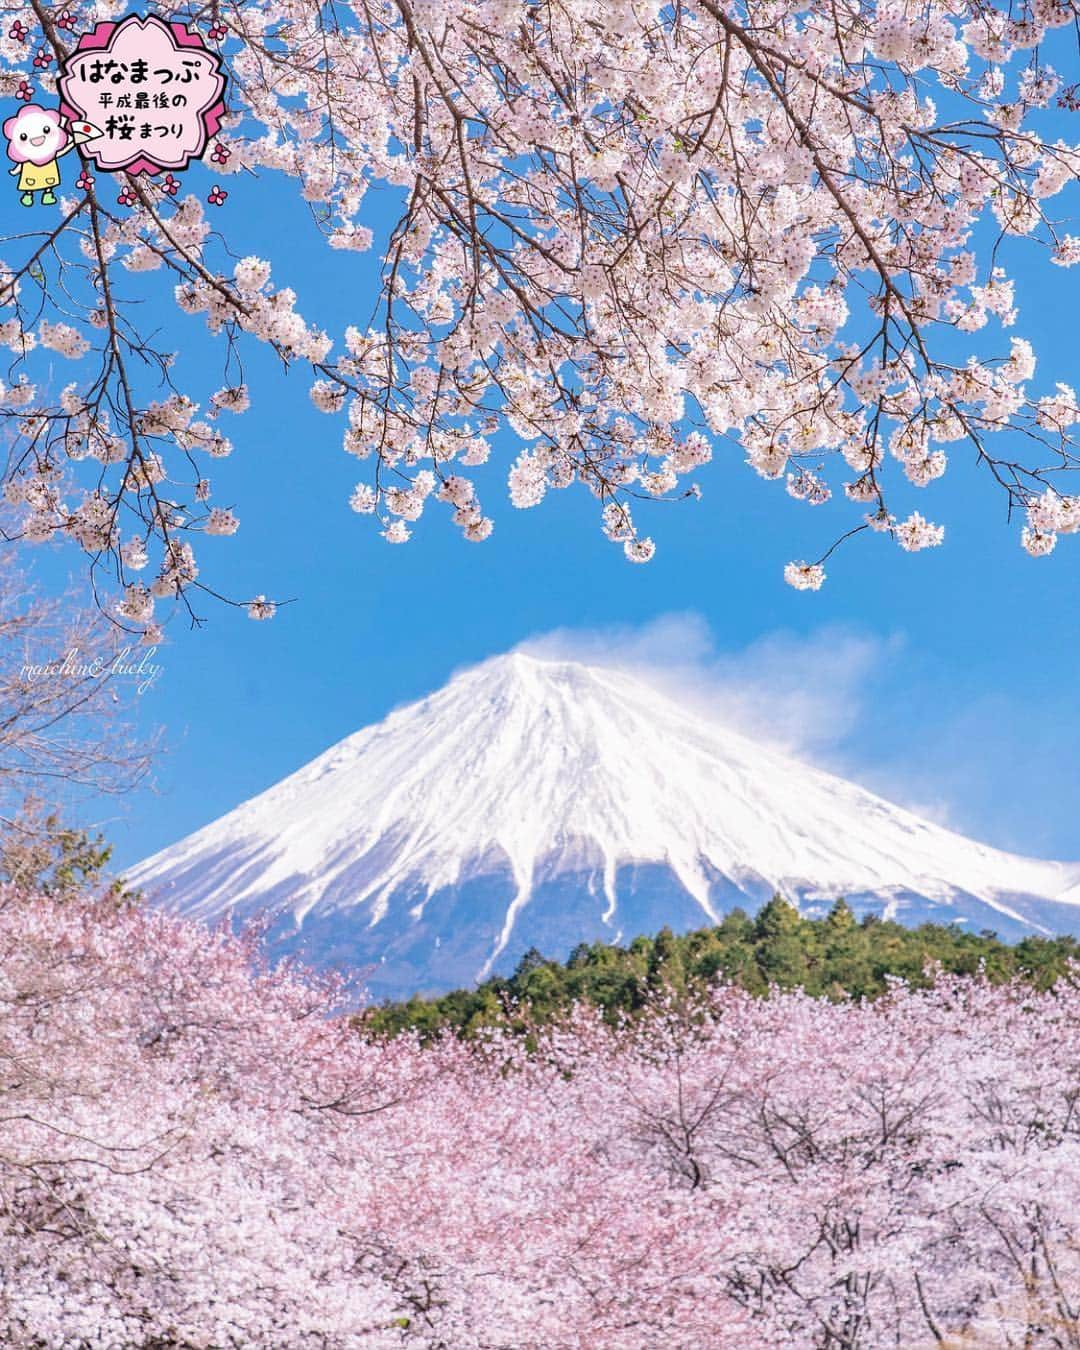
193 1154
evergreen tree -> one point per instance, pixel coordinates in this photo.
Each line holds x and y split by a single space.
666 963
781 948
846 954
39 853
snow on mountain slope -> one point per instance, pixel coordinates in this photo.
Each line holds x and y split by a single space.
537 802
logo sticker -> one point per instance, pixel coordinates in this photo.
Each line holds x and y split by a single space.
142 95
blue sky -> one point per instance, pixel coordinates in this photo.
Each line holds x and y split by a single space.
945 679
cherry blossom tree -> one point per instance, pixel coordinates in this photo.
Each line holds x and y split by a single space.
197 1151
66 729
628 234
63 725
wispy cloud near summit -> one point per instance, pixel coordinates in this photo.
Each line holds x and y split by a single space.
871 709
804 694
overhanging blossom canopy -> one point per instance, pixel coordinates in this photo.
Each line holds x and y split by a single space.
630 235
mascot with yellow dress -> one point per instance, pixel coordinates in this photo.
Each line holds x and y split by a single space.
37 138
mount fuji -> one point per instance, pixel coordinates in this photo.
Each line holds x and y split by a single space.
541 803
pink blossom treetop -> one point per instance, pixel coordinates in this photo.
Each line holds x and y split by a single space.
626 234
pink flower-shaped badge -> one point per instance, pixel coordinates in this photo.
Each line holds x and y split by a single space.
152 89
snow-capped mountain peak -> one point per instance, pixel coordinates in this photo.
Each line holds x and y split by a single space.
545 802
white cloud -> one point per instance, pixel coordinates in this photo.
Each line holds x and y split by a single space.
806 694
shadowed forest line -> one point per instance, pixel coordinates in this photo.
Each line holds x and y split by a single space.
836 957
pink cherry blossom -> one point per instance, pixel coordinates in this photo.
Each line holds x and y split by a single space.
196 1150
625 235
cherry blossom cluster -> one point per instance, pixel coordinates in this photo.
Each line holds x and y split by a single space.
628 234
197 1151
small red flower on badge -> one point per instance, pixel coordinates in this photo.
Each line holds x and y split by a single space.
66 21
127 197
170 185
25 91
85 181
43 58
18 32
217 32
217 196
221 154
